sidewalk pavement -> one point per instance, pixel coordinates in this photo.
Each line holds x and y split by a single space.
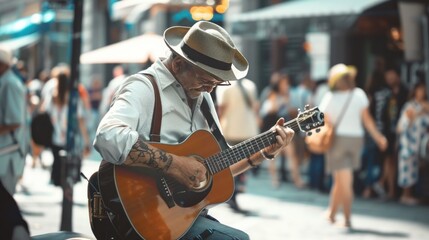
274 213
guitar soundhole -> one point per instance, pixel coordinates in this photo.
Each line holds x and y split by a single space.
186 198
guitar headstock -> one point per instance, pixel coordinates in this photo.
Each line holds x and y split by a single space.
310 119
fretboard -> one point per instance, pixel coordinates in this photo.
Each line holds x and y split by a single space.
226 158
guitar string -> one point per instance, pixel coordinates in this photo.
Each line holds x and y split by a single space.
266 139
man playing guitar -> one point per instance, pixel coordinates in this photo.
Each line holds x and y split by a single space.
202 57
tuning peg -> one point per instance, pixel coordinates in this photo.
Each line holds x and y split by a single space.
307 107
317 130
309 133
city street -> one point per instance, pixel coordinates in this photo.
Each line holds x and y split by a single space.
109 73
283 213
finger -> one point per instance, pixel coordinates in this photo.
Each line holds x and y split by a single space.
286 135
280 122
291 134
201 178
281 131
280 141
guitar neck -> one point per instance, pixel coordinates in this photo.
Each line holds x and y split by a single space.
224 159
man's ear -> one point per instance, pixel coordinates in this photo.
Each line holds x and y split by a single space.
176 64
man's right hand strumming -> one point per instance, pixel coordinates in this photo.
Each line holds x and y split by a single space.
188 171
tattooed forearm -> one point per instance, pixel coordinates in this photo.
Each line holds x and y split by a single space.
142 155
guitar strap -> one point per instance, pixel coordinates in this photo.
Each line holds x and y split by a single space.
155 129
214 128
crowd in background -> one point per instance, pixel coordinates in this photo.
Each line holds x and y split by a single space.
398 112
390 112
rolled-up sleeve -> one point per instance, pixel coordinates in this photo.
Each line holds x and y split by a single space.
130 111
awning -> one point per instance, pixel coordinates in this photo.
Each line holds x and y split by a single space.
27 25
298 17
20 42
306 8
134 50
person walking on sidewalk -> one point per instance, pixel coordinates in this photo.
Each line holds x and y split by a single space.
57 107
346 107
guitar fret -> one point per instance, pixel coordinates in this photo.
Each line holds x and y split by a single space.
217 165
209 166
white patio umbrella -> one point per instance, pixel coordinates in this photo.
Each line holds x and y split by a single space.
134 50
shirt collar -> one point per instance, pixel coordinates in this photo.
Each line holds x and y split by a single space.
165 78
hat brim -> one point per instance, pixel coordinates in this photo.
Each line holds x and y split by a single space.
173 38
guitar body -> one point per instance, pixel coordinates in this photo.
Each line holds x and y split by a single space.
156 207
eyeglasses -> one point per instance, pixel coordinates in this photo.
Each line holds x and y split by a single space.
216 82
203 78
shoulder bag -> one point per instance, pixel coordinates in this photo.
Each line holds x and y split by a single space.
321 142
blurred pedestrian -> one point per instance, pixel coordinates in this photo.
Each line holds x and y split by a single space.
346 107
273 107
274 79
371 155
13 141
238 108
51 84
316 166
412 126
391 100
95 92
34 100
119 75
300 96
294 152
57 107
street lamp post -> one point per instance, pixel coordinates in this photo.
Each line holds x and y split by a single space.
70 161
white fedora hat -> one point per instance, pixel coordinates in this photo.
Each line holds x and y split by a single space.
209 47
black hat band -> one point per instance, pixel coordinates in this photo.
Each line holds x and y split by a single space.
202 58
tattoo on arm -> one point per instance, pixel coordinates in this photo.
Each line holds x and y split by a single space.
142 155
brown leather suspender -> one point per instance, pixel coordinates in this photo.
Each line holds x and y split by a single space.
155 128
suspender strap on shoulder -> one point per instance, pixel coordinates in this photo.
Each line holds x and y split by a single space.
155 128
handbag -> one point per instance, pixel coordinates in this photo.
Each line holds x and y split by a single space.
321 142
42 129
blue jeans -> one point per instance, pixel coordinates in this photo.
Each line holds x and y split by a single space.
371 165
210 229
316 171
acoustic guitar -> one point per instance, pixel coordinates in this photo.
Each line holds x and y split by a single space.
142 204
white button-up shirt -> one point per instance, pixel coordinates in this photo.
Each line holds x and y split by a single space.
131 112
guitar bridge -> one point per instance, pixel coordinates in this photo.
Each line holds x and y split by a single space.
165 192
